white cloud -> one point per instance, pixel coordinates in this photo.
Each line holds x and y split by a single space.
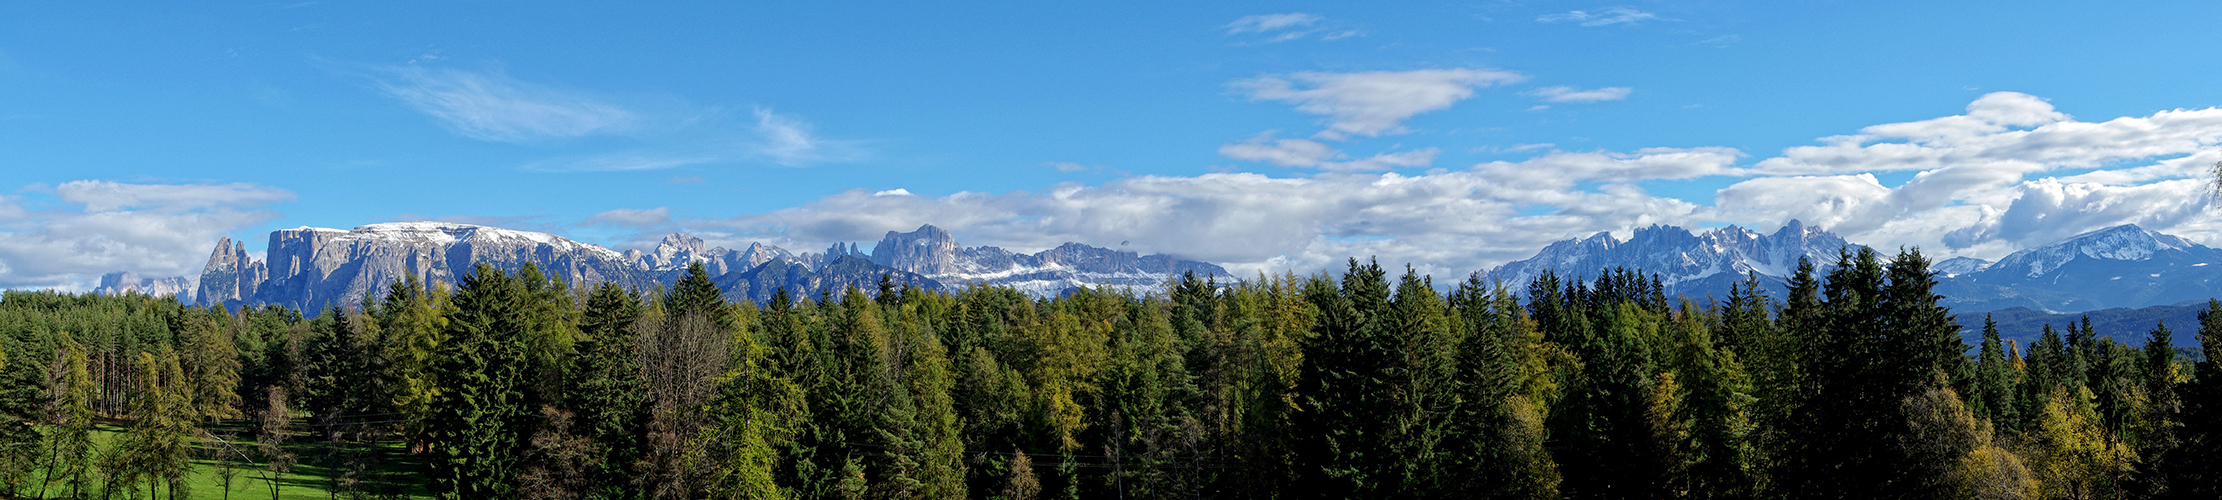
1985 195
1571 94
1981 186
2005 130
1271 22
1276 28
786 140
1313 154
1448 222
491 106
154 230
1283 152
658 216
1375 102
1560 171
1602 17
712 138
103 196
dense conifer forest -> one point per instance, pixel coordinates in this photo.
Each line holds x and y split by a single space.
1372 383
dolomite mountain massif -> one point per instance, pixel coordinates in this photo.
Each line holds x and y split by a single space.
2110 272
313 268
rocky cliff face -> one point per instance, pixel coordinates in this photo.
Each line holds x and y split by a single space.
932 252
314 268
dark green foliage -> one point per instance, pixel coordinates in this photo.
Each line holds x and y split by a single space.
1343 428
1850 386
608 391
2196 470
1601 433
478 424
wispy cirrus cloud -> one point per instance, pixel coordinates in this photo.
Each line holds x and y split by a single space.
1607 16
1276 28
789 141
1372 103
491 106
1576 95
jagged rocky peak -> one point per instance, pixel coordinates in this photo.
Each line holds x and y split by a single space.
230 275
676 251
758 253
928 250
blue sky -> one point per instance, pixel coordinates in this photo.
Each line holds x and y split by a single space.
1266 136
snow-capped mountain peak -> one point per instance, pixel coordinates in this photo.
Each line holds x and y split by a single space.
2126 242
1959 265
1683 260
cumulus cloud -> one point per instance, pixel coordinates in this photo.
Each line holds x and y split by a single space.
1601 17
491 106
2005 130
1984 182
1371 103
155 230
1571 94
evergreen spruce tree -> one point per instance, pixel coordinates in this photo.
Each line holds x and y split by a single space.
1601 432
2196 472
1346 391
1993 395
413 321
19 416
476 424
1493 444
2162 413
609 398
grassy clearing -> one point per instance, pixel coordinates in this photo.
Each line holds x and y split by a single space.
394 476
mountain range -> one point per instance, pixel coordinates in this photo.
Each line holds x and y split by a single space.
1688 264
313 268
2123 267
2117 267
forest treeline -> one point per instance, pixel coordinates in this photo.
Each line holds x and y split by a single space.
515 385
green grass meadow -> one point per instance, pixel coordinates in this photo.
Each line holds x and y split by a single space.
395 475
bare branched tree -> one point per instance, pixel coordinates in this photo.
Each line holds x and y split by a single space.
683 357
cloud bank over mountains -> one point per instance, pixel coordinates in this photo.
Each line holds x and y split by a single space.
2009 173
66 236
